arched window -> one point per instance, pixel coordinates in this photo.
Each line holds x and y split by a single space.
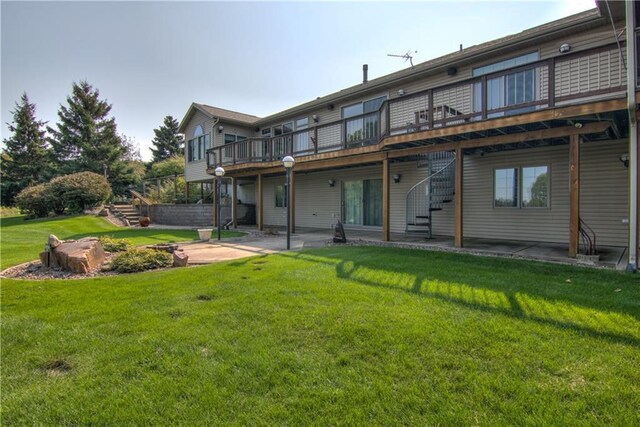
198 145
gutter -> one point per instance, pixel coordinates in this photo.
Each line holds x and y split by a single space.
633 137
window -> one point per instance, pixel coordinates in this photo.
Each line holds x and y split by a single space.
230 138
506 188
302 123
526 187
287 127
281 198
197 147
507 63
364 128
535 187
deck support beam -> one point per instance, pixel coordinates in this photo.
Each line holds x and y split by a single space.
386 235
458 198
234 213
574 195
259 207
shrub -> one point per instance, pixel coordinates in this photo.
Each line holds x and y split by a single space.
172 166
80 191
134 260
34 201
115 245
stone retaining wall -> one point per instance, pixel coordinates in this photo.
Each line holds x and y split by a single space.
195 215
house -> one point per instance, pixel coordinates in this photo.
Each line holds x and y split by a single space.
527 137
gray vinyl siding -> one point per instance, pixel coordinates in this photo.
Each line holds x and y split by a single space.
603 198
603 202
197 171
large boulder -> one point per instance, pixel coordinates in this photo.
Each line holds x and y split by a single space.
81 256
53 241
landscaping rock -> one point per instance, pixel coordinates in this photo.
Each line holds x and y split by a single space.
54 242
180 259
103 212
48 259
82 256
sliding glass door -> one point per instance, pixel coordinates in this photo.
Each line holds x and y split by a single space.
362 202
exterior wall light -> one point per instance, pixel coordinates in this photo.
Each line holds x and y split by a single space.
315 118
219 172
220 129
396 178
332 182
624 159
401 92
288 163
565 48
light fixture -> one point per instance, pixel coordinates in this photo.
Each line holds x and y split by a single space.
315 118
288 163
565 48
578 125
220 129
219 172
332 182
624 159
400 92
396 178
330 106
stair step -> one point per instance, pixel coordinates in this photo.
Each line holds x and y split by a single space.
423 216
435 209
419 224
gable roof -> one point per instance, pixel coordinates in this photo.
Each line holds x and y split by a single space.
228 116
530 37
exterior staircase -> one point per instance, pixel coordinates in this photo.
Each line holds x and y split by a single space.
431 194
127 211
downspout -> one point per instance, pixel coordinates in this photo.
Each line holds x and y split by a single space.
633 137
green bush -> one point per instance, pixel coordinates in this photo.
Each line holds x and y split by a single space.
34 201
134 260
80 191
172 166
115 245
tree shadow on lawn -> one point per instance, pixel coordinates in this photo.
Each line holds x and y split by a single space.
562 296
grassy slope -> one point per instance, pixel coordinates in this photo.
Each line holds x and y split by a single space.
21 240
329 336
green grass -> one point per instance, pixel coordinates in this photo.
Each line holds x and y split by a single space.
22 240
334 336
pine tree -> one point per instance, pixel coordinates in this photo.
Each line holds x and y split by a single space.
24 159
86 138
167 142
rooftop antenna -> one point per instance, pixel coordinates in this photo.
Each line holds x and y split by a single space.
407 56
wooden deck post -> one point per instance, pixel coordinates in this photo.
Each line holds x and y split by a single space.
292 202
574 194
234 214
386 235
259 207
458 198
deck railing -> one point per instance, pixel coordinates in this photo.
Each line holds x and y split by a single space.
586 75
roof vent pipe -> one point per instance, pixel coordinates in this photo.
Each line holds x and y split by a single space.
365 72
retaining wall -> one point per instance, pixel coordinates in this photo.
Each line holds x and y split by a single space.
195 215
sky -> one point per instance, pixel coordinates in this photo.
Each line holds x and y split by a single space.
153 58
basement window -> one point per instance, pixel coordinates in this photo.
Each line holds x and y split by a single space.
525 187
281 200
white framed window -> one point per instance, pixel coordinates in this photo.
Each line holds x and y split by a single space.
198 145
521 187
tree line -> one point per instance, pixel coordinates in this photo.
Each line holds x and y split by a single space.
84 139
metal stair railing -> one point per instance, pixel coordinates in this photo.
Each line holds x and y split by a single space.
431 193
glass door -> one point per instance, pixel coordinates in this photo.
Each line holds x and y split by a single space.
352 202
362 202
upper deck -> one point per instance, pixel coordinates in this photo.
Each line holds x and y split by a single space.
512 95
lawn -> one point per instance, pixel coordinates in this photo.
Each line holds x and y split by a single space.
333 336
22 240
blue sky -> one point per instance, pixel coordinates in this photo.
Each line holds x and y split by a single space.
151 59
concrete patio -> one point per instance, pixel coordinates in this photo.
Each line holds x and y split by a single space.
265 243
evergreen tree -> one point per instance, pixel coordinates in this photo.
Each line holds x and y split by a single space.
167 142
24 159
86 138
